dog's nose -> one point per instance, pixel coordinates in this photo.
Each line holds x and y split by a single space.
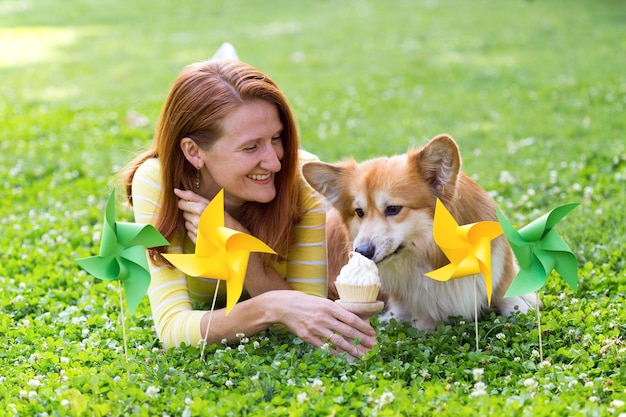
366 250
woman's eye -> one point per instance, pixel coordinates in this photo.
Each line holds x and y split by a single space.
249 148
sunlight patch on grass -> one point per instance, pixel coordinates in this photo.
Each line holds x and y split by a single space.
19 46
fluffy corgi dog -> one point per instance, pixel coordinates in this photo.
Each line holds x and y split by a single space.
383 208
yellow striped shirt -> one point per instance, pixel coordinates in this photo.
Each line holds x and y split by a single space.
173 295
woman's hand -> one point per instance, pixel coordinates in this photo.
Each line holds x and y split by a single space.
321 322
192 205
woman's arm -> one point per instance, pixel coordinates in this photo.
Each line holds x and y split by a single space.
314 319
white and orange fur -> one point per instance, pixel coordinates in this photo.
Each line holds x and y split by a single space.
384 208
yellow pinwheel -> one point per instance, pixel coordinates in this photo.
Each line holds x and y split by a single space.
221 253
467 247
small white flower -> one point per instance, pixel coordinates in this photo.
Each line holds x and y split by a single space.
317 383
572 383
34 383
530 383
545 364
478 374
254 377
291 383
228 383
241 348
152 391
65 403
65 359
500 336
200 374
506 178
188 401
479 389
239 335
617 403
593 399
256 344
32 395
386 398
302 397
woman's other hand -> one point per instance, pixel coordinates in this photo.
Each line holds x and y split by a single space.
321 322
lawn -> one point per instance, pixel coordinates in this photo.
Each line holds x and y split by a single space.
533 91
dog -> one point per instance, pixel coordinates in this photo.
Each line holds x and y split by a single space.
384 207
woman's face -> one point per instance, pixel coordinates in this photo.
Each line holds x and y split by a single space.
245 159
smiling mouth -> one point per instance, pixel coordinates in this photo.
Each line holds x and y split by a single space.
395 252
258 177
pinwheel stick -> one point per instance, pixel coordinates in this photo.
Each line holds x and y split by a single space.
208 325
539 328
122 318
476 312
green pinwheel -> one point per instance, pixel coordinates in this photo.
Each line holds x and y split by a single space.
123 254
539 249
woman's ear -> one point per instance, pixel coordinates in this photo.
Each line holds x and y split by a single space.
192 152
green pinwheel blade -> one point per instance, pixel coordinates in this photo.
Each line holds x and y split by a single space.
567 267
558 213
102 267
133 234
536 229
528 280
520 247
136 283
137 279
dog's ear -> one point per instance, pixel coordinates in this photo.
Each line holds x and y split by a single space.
439 163
325 178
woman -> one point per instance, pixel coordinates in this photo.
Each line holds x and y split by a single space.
226 125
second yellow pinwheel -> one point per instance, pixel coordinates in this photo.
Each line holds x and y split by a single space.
467 247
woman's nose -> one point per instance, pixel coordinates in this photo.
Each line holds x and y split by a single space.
271 159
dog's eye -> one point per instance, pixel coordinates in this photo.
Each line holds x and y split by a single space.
359 212
393 210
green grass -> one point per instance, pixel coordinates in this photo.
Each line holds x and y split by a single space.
533 91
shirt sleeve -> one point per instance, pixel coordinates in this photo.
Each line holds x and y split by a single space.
172 311
306 261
